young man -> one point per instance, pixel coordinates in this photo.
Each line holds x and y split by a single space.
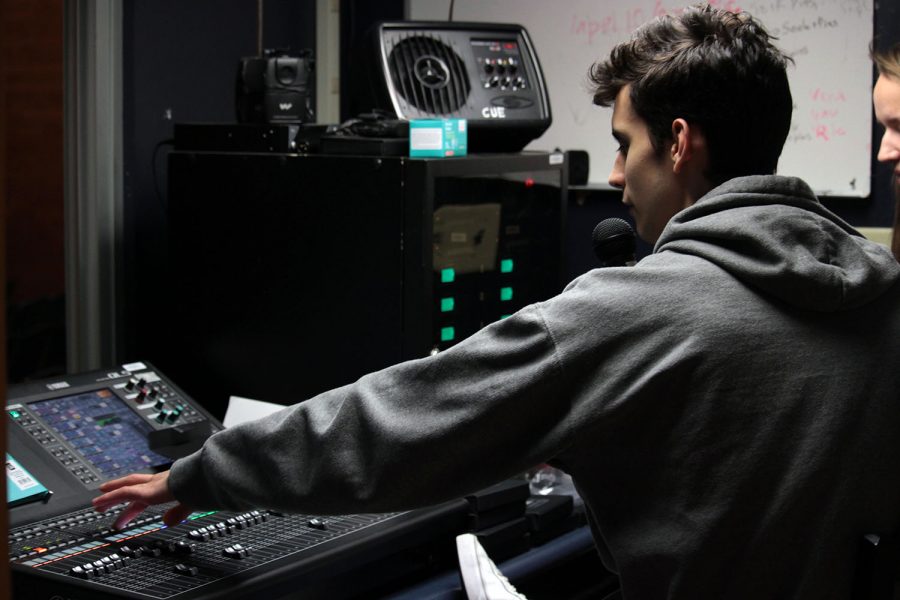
721 406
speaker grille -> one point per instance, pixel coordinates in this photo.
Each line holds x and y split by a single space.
429 74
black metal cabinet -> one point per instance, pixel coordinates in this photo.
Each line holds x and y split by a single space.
292 274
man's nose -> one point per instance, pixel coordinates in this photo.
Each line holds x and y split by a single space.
889 151
617 175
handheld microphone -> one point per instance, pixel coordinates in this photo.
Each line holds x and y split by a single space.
614 243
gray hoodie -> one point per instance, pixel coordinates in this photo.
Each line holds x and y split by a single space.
728 408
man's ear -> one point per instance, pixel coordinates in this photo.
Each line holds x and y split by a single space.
687 143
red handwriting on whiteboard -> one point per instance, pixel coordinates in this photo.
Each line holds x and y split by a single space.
828 132
820 95
825 113
627 19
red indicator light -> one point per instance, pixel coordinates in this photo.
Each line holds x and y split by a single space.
529 182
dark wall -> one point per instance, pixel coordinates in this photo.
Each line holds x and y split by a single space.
180 64
31 45
356 18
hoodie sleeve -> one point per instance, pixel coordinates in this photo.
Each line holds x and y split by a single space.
416 433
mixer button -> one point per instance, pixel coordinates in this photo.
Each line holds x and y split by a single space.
315 523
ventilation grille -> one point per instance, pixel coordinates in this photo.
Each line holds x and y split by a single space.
428 74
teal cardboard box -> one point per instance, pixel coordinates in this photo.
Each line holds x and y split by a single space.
437 137
21 486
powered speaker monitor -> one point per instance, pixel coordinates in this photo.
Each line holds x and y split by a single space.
486 73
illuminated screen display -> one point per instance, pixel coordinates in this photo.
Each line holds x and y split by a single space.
103 430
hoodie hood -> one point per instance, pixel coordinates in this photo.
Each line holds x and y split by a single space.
772 233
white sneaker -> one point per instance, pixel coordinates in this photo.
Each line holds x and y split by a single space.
480 576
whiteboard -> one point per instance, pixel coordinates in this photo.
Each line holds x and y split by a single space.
830 142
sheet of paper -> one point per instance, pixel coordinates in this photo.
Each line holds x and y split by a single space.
244 409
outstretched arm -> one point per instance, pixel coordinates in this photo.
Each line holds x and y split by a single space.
140 490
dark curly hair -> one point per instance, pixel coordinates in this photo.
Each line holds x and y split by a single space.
716 69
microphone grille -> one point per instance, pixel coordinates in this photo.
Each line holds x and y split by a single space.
614 241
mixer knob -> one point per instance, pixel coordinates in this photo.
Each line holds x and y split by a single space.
317 524
236 552
183 547
81 572
173 416
159 404
132 383
189 570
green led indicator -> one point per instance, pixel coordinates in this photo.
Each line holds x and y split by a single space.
199 515
504 317
506 294
448 275
14 414
506 265
447 334
447 304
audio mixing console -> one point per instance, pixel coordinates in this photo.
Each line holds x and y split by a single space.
68 436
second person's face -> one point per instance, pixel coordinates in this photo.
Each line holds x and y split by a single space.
886 101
